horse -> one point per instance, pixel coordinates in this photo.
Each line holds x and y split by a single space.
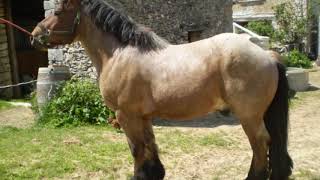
141 76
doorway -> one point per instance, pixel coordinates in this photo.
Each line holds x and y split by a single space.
27 14
194 35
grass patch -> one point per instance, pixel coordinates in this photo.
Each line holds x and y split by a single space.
5 105
215 140
307 174
42 152
182 141
302 98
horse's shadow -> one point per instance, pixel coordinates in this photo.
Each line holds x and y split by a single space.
211 120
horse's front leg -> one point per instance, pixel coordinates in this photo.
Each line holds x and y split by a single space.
141 140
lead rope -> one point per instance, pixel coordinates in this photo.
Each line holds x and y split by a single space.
4 21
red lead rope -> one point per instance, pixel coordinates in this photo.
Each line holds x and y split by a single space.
3 21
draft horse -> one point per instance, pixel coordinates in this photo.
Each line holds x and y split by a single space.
142 76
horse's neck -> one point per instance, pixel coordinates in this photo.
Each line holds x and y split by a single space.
99 45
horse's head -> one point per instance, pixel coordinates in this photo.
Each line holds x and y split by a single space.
60 27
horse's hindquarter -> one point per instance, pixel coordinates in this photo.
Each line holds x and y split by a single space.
250 75
186 81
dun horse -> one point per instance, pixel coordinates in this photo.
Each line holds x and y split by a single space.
141 76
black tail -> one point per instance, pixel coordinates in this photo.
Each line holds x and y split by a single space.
276 121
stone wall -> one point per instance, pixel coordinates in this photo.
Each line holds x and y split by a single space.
5 70
171 19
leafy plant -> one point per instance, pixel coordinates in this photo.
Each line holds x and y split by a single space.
263 28
297 59
34 103
292 22
77 102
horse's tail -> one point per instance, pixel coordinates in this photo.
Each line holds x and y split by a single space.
276 121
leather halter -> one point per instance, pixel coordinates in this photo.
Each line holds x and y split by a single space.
71 32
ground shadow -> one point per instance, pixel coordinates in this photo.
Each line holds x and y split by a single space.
209 121
313 88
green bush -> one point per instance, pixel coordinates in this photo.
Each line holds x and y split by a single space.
78 102
297 59
262 28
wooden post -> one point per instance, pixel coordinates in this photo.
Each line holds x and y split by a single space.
12 51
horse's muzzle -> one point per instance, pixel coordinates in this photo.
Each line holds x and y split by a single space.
39 42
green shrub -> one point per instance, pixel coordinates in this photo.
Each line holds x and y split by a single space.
78 102
262 28
297 59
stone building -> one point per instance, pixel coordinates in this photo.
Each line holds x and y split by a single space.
254 10
245 11
178 21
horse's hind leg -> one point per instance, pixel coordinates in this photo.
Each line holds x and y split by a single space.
259 140
141 140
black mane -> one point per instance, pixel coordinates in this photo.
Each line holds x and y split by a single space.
123 27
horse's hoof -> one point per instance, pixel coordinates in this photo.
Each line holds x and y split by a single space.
263 175
150 170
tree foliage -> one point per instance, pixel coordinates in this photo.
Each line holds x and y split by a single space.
292 21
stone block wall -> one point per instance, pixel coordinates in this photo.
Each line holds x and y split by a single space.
170 19
5 68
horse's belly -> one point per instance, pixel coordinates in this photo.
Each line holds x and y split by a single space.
187 95
189 107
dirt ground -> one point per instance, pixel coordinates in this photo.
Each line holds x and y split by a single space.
229 163
20 117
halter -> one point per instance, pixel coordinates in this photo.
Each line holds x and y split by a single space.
71 32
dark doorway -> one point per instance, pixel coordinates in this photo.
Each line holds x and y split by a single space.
194 36
27 14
